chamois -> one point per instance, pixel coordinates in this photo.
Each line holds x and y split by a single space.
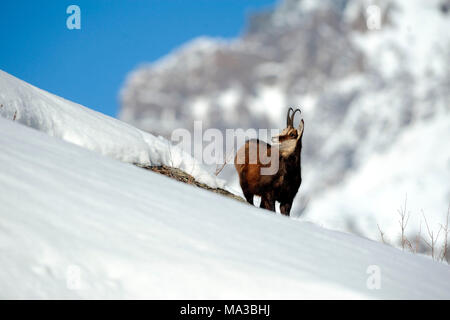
285 155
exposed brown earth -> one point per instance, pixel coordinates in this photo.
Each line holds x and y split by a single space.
182 176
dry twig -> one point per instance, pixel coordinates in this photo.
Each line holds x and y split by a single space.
432 237
404 218
381 234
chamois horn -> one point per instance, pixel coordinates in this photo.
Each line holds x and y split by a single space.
290 118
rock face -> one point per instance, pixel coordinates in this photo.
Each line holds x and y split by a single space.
363 73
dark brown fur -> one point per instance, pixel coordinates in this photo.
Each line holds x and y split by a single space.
280 186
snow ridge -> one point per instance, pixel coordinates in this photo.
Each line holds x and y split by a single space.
92 130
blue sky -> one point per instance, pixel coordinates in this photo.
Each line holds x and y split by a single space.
89 66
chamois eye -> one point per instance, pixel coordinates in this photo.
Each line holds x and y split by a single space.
292 134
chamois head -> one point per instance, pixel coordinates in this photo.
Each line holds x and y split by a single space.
290 137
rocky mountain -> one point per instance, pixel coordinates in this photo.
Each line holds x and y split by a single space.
366 74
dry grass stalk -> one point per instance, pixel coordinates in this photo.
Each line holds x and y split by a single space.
404 218
381 234
220 167
444 253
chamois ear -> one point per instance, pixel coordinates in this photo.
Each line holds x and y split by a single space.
301 126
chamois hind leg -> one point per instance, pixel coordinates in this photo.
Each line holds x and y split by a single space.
249 197
267 202
285 208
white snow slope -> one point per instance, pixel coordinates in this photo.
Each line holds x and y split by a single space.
136 234
77 124
77 224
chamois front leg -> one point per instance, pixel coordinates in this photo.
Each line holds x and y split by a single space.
268 202
285 208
